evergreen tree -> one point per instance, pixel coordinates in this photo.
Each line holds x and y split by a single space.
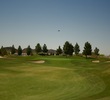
59 51
19 50
76 49
68 48
29 50
3 51
13 50
45 50
0 52
71 49
38 48
87 49
96 51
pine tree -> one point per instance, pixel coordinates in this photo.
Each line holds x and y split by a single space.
38 48
19 50
59 51
45 50
87 49
96 51
3 51
68 48
76 49
29 50
13 50
0 52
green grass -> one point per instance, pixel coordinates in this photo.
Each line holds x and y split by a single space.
59 78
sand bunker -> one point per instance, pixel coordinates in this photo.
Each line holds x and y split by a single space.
96 61
1 57
39 61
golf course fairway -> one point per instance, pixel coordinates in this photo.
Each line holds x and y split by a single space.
55 78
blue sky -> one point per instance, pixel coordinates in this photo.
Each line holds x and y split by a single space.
28 22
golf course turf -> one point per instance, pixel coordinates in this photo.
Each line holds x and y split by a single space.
57 78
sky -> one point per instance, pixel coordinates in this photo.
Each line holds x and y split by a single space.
28 22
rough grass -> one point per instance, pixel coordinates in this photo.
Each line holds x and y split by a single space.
59 78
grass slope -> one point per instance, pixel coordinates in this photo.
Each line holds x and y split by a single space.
59 78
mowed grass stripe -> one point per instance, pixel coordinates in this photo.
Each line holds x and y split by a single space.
57 83
67 81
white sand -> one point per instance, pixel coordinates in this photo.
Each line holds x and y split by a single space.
39 61
1 57
96 61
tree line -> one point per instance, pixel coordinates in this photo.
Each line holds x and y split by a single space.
68 49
